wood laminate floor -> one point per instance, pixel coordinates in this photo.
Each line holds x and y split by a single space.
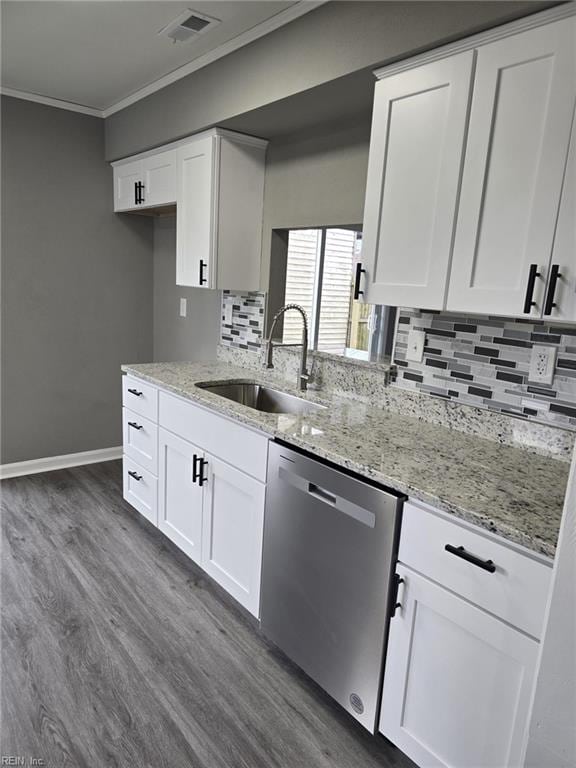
117 651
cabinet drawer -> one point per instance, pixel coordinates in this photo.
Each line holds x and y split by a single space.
140 489
517 590
230 442
140 438
140 397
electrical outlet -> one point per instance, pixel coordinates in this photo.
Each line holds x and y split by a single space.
542 364
183 307
228 314
416 341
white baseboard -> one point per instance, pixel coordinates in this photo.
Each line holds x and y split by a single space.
19 468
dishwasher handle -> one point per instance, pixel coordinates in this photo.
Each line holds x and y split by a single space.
320 493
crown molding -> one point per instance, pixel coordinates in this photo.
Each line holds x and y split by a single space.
49 102
500 32
264 28
259 30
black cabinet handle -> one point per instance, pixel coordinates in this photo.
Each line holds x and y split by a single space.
135 392
529 300
394 601
201 479
194 468
135 476
202 278
136 193
554 276
486 565
141 192
133 424
198 465
357 291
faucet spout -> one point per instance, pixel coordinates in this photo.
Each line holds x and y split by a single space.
303 375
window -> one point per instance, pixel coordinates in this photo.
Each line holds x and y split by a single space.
320 271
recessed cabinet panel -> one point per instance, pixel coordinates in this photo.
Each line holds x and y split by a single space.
195 214
515 157
457 681
179 497
159 179
232 533
560 301
414 170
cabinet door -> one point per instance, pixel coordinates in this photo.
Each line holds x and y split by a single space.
457 681
179 497
232 532
561 288
515 157
126 176
159 178
416 147
195 227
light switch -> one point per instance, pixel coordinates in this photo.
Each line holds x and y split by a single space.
183 307
228 314
416 341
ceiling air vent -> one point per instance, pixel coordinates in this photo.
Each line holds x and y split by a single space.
188 26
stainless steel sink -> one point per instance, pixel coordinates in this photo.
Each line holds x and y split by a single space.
261 398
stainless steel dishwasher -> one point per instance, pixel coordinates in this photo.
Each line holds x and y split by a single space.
330 544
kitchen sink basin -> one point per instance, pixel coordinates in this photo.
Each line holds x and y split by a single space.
261 398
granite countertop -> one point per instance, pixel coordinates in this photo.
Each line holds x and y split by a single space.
506 490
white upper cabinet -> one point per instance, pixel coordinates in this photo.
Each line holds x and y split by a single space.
194 215
560 301
416 146
126 179
219 212
159 179
516 151
148 182
216 180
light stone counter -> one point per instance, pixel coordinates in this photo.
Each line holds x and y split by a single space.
509 491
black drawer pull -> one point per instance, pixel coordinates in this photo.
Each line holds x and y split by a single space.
135 392
135 475
529 300
486 565
136 426
554 276
357 291
136 201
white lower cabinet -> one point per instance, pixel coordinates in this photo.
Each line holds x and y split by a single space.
233 525
463 644
458 681
200 478
180 494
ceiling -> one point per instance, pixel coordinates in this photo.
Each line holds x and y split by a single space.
101 54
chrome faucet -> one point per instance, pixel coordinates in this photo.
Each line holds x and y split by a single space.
304 374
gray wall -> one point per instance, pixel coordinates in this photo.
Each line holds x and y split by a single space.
330 42
552 740
316 178
76 286
195 336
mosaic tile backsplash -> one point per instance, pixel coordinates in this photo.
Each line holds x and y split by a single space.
242 323
484 361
